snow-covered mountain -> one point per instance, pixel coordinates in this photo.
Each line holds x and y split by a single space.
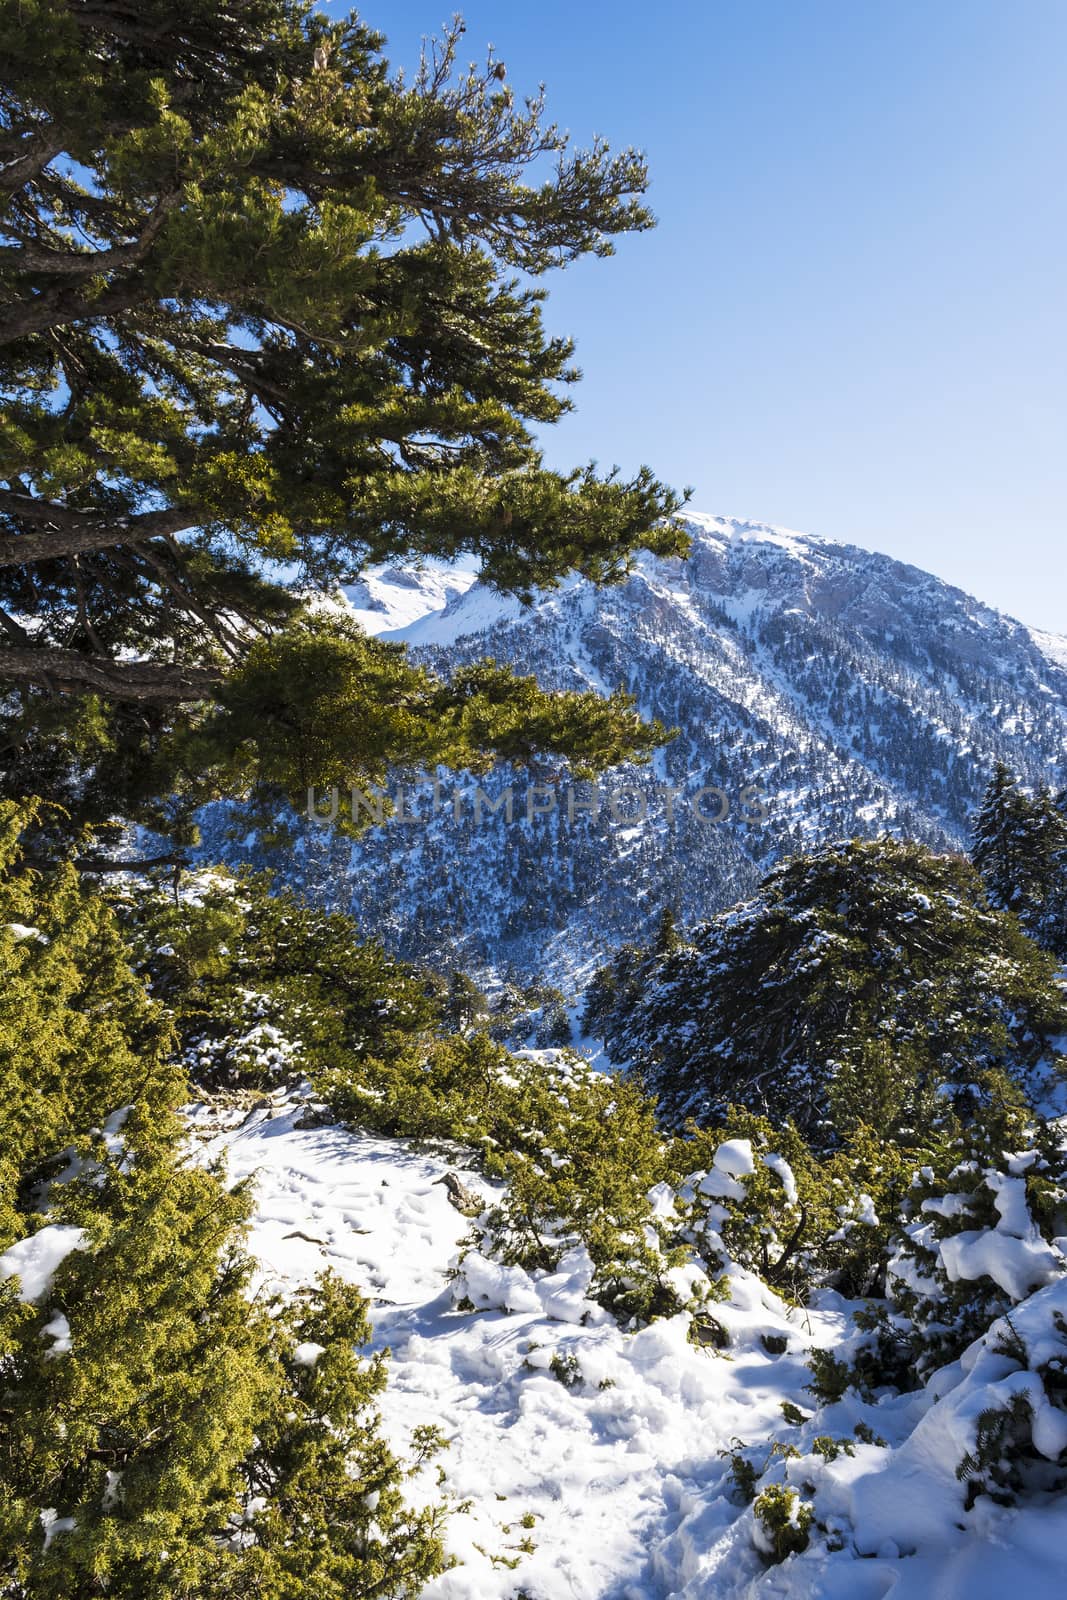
819 690
389 599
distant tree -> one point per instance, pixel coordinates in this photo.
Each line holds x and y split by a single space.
1020 848
262 324
554 1029
667 937
864 984
465 1006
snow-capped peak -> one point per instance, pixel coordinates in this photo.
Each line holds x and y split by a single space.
389 599
742 531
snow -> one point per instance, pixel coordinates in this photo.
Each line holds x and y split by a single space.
737 531
561 1295
392 598
1016 1265
54 1524
1053 646
308 1353
58 1330
718 1185
784 1173
475 611
37 1258
604 1450
604 1467
735 1157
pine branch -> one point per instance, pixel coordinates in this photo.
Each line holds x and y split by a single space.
34 155
57 308
66 531
33 257
103 864
68 671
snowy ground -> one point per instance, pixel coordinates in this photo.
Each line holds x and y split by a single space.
617 1482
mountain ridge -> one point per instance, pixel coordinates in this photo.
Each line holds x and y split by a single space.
852 693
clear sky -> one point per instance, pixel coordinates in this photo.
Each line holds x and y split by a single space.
851 318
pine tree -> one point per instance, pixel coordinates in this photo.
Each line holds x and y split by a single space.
1020 848
862 985
160 1436
979 1220
261 309
995 836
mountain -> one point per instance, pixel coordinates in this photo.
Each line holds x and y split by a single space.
391 598
820 691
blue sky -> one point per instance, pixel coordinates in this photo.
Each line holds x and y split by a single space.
851 318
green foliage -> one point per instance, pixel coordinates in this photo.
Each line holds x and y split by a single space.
553 1031
137 1434
580 1171
261 314
261 987
989 1201
831 1378
783 1522
858 985
744 1473
79 1037
335 1522
830 1449
1020 849
163 1434
1001 1434
520 1007
453 1088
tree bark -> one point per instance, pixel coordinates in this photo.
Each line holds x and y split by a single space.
32 159
146 682
66 531
58 308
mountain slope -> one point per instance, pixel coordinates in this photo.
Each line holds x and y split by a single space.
824 690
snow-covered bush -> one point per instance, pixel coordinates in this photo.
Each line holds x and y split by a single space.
763 1200
581 1158
781 1522
986 1431
743 1203
261 987
1017 1402
983 1226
